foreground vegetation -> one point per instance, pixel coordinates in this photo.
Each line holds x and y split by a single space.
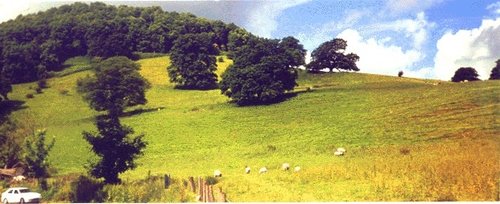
406 139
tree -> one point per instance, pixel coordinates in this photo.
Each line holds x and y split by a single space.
37 153
263 71
465 73
193 62
330 55
400 74
9 144
495 72
116 150
5 87
117 85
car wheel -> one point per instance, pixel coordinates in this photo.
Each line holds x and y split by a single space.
21 201
5 201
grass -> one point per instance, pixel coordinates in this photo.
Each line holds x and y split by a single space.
406 139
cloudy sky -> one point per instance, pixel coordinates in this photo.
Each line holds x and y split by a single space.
424 38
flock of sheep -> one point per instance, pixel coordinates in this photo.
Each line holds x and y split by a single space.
285 166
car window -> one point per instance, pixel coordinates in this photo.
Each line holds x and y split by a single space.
10 191
15 192
24 190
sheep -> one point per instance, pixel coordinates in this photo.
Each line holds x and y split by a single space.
263 170
338 153
341 149
217 173
296 169
18 178
247 169
285 166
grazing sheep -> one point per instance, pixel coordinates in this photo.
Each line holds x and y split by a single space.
19 178
263 170
341 149
285 166
338 153
296 169
217 173
247 169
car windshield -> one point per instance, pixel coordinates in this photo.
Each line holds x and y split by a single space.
24 190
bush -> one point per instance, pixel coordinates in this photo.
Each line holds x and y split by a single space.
211 180
42 83
220 59
30 96
38 90
85 190
400 73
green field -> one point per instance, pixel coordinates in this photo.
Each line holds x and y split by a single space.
406 139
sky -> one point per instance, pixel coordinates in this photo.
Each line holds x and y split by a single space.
423 38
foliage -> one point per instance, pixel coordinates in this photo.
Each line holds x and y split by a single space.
263 71
34 44
400 74
117 85
9 145
495 72
86 190
37 152
115 149
465 73
193 62
330 55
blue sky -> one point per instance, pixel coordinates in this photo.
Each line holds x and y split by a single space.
424 38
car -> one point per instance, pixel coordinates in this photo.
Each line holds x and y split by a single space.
20 195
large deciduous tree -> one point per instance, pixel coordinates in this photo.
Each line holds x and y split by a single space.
193 62
115 149
37 152
495 72
263 71
117 85
330 55
465 73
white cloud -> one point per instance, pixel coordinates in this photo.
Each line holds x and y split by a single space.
378 56
478 48
11 9
401 6
262 19
494 7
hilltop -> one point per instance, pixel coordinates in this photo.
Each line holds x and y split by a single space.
406 139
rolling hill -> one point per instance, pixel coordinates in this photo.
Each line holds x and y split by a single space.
406 139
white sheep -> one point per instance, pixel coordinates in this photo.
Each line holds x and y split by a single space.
338 153
247 169
296 169
19 178
341 149
285 166
263 170
217 173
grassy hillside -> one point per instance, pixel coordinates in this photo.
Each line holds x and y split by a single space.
406 139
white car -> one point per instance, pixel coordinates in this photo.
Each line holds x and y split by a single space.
20 195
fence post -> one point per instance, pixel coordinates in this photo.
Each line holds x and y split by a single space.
191 183
166 179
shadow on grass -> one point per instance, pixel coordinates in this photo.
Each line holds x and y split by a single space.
9 106
285 97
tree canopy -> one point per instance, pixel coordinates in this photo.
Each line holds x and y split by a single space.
116 150
495 72
263 70
465 73
117 84
330 55
5 88
193 62
36 43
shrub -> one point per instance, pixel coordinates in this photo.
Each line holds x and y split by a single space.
211 180
38 90
85 190
42 83
400 73
30 95
220 59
